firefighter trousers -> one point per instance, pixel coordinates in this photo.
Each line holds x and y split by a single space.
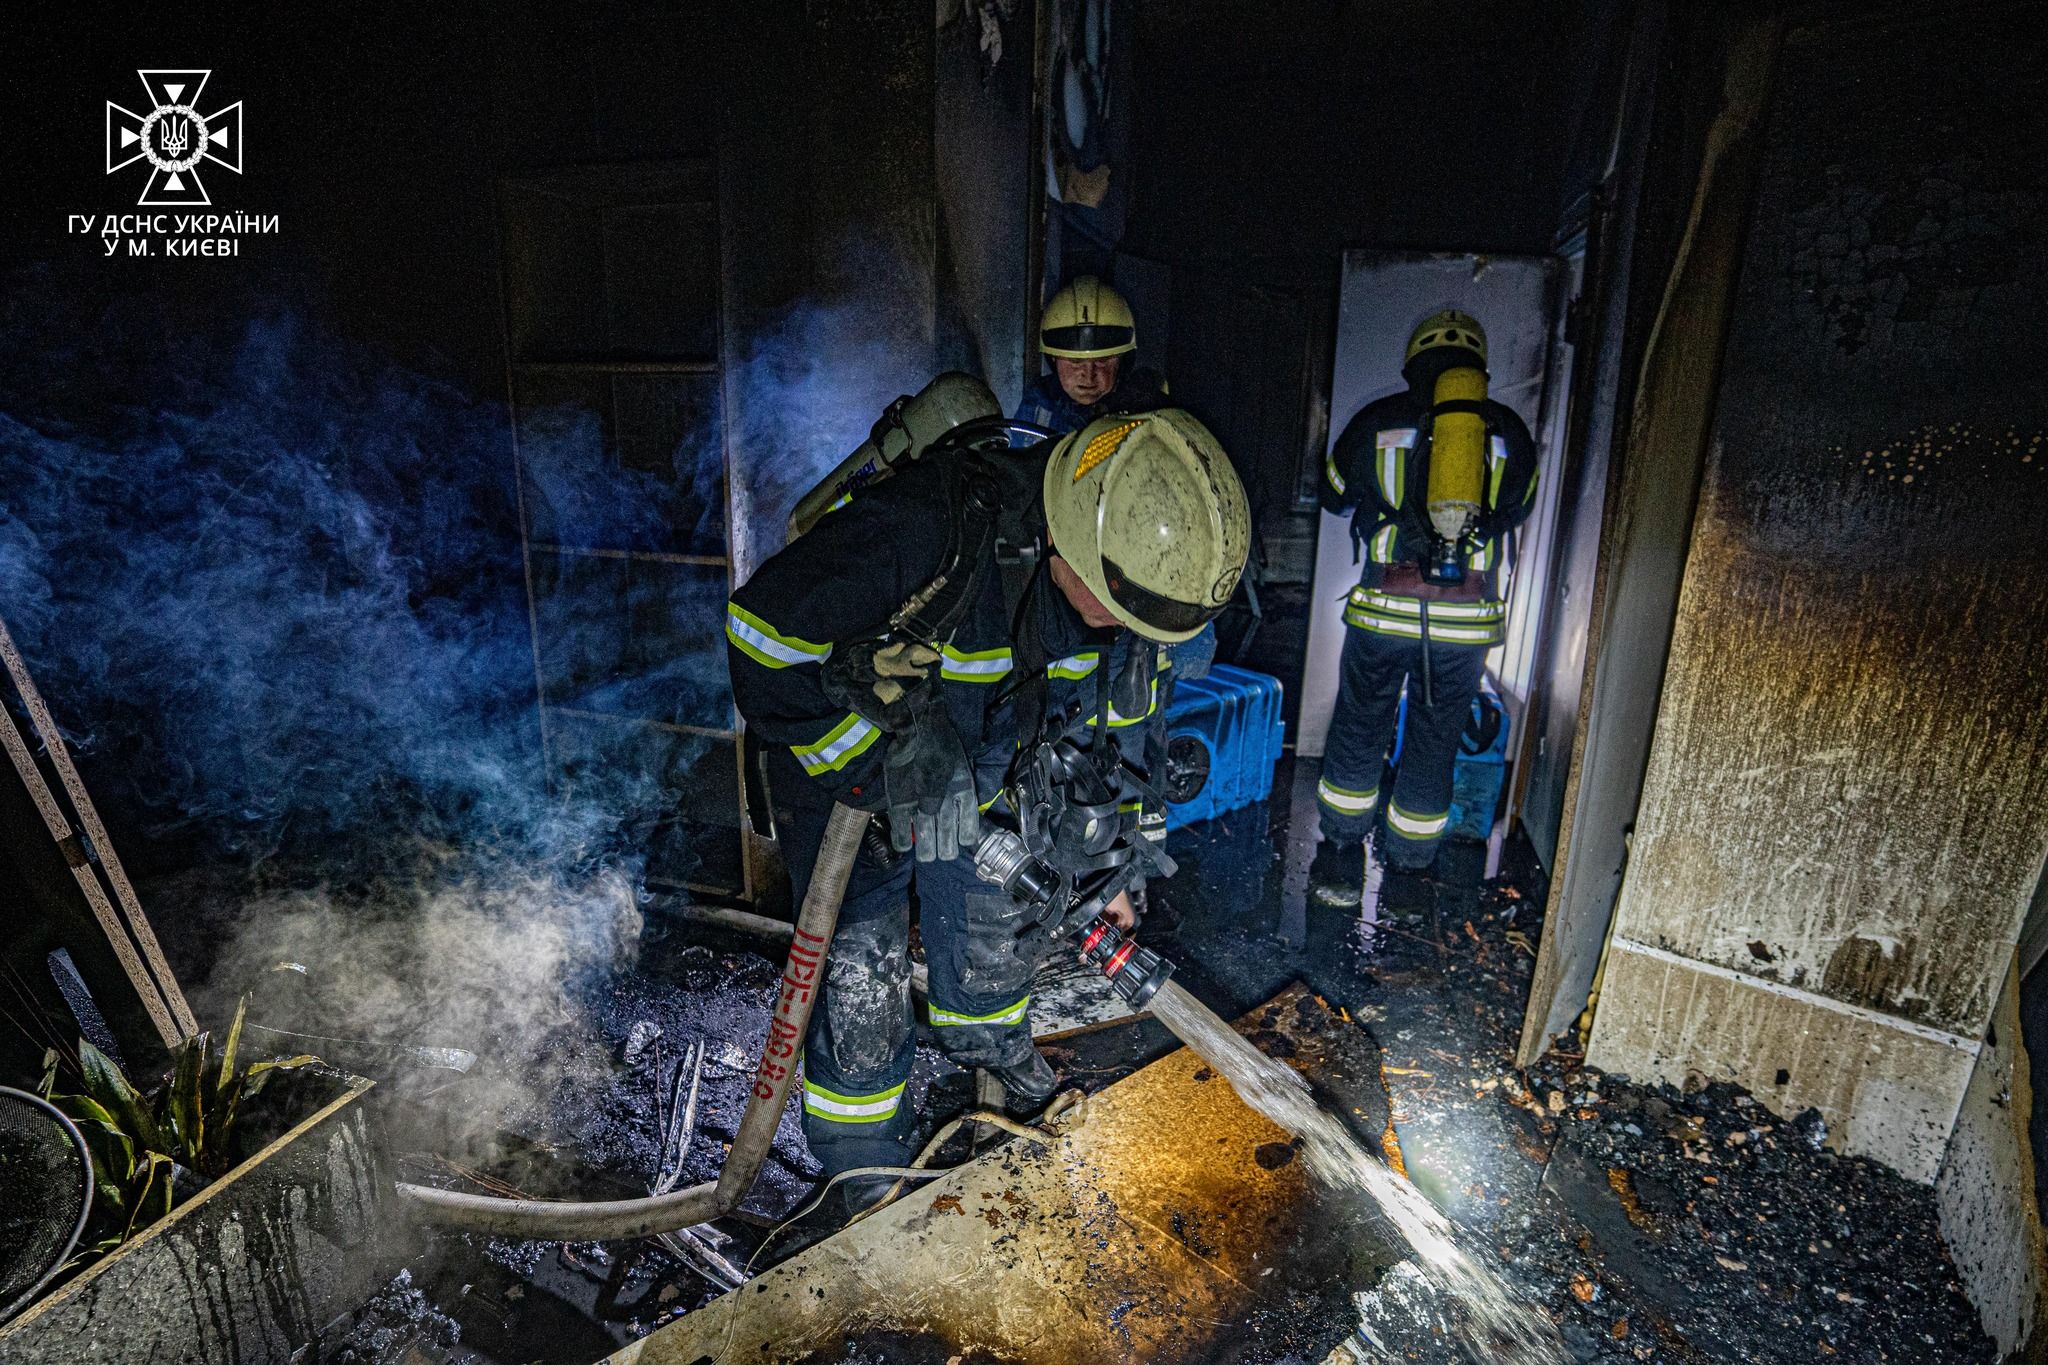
1363 728
858 1052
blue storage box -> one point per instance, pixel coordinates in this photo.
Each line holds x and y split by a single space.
1223 735
1481 769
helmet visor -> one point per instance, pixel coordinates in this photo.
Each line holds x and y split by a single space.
1161 613
1096 337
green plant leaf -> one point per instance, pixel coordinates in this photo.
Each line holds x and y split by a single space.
108 1196
281 1064
87 1112
152 1198
228 1049
80 1108
87 1255
185 1103
49 1081
220 1126
112 1151
105 1083
220 1133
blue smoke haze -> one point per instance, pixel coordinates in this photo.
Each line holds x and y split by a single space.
270 584
285 608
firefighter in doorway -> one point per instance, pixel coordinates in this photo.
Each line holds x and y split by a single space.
889 660
1434 478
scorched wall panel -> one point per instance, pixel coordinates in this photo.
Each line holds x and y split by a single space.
1847 796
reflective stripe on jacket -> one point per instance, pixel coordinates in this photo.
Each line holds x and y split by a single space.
1453 623
842 581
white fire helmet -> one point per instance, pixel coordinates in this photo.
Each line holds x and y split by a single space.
1151 516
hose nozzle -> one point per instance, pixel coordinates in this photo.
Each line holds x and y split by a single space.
1136 972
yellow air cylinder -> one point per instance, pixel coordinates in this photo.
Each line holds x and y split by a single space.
906 431
1457 455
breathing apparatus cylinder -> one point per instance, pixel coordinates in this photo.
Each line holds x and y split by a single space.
907 428
1447 355
1457 468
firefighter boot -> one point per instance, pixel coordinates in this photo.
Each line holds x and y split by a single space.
1337 876
1028 1080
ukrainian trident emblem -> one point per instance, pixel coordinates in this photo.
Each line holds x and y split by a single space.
174 138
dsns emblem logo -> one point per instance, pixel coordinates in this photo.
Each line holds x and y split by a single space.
174 137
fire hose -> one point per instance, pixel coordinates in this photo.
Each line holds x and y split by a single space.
613 1219
1135 972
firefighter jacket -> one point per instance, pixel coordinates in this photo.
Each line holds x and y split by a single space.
1046 404
844 580
1378 471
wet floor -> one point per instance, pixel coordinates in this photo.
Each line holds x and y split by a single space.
1158 1221
1652 1225
1648 1225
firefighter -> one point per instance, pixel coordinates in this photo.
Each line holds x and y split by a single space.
1142 530
1091 341
1427 607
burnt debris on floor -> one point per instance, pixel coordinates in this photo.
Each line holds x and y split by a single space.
1684 1225
1687 1225
1654 1225
571 1094
1155 1221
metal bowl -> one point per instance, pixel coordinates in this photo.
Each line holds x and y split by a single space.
45 1195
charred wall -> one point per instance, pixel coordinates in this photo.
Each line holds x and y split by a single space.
1990 1214
1842 820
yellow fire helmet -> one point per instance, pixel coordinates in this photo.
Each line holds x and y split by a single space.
1085 320
1150 514
1448 328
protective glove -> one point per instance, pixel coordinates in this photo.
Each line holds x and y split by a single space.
886 681
929 786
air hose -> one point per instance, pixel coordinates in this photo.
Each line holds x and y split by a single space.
544 1220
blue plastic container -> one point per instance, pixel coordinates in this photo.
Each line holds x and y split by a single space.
1480 772
1481 769
1223 736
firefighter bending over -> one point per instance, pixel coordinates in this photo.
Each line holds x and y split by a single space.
906 656
1089 338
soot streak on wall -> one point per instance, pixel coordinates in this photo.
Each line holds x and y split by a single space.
1847 787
